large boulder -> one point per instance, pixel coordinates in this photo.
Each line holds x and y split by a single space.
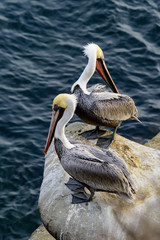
107 216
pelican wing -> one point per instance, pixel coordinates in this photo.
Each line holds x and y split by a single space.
96 170
112 106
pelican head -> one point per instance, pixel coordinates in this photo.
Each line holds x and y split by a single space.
63 107
95 62
100 64
92 47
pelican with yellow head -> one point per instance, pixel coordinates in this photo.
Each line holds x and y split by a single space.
89 166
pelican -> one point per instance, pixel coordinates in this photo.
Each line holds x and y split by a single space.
96 105
89 166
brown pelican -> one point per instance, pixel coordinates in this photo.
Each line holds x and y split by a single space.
92 167
96 105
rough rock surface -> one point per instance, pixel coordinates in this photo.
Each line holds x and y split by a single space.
107 216
41 234
154 142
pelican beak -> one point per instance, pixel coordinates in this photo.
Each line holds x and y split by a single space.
104 73
52 127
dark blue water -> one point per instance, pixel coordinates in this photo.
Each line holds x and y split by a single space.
40 56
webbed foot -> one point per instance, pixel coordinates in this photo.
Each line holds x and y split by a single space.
106 141
93 134
79 195
75 186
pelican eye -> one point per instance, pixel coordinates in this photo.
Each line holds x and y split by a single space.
56 107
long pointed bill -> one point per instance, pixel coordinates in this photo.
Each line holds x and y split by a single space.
104 73
54 119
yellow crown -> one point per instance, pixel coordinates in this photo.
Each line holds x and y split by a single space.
60 101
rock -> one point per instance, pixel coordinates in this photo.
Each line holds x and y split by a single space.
41 234
107 216
154 142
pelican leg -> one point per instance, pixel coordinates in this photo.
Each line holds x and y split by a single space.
81 197
94 133
106 141
75 186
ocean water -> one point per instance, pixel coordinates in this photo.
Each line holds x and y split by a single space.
40 56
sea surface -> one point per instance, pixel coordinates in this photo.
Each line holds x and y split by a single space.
41 44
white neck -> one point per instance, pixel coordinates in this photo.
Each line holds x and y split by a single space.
87 73
67 115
